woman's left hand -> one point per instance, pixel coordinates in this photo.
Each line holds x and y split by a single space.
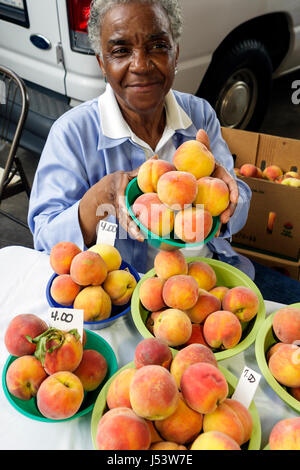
221 173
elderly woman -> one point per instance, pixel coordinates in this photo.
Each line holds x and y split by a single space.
95 149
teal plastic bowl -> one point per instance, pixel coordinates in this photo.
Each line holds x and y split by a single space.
29 408
163 243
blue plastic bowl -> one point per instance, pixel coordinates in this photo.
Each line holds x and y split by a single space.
117 311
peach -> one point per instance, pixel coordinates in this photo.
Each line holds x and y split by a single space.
91 370
95 303
119 285
110 255
61 256
213 194
222 330
122 429
291 174
203 273
182 426
150 172
295 392
284 365
155 437
151 294
64 290
118 391
189 355
153 214
170 263
180 291
166 445
286 324
272 350
232 418
206 304
152 351
248 169
214 440
59 350
24 377
285 435
176 189
60 395
22 325
259 172
242 301
88 268
172 326
151 319
193 156
203 387
219 292
197 336
193 225
272 172
153 392
295 182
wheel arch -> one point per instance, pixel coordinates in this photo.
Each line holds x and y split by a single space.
265 29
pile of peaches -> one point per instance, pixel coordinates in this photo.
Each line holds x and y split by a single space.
283 358
90 280
181 196
271 173
166 403
185 305
51 365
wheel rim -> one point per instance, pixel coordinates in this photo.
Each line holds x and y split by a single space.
237 100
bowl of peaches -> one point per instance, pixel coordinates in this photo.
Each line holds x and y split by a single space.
165 401
53 375
96 281
178 204
198 300
278 353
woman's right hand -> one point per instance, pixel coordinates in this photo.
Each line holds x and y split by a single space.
107 197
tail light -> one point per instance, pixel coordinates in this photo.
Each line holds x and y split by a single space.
78 15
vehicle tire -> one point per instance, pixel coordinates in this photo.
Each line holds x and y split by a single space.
238 84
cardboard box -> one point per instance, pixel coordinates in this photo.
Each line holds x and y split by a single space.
273 223
284 266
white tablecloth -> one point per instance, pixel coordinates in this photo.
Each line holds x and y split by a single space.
24 274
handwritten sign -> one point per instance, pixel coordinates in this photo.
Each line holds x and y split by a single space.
246 387
107 232
66 319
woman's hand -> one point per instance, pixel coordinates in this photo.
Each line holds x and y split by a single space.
107 197
221 173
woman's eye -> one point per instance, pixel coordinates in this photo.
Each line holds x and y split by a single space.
160 46
120 51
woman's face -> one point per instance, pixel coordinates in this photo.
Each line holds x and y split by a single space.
139 55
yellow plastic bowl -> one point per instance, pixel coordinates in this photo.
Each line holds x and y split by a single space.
228 276
100 408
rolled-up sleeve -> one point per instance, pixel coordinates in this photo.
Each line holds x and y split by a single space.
59 184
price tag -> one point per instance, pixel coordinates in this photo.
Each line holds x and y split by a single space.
66 319
107 232
246 387
2 92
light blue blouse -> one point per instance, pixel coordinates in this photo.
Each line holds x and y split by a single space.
77 154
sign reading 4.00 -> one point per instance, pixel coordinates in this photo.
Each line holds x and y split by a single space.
66 319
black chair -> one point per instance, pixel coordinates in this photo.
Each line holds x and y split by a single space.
14 105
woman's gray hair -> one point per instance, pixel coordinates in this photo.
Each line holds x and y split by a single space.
100 7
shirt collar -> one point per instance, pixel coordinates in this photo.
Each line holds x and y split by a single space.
115 130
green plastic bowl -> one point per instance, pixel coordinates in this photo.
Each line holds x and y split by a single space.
265 339
29 408
162 243
228 276
100 408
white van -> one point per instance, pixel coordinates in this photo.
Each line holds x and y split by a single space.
229 53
